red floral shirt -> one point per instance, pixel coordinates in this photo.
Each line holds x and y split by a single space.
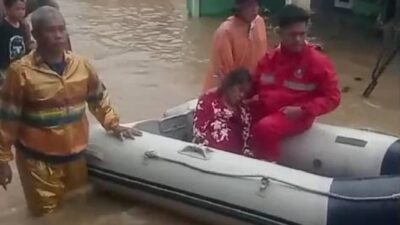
217 126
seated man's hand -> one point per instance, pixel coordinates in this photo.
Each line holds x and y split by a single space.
292 112
121 132
255 98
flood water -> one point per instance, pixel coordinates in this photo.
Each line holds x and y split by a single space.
152 57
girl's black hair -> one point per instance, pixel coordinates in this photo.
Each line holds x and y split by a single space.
10 3
292 14
237 4
234 78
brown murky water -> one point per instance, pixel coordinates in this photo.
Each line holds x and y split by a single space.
151 56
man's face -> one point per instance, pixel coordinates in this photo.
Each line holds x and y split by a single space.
53 34
293 37
249 12
17 11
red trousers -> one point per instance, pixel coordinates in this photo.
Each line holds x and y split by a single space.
269 131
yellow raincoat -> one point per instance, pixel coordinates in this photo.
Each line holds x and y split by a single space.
44 114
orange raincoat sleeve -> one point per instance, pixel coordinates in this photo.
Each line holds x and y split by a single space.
222 56
99 101
11 102
222 60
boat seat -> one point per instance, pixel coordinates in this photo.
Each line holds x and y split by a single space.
151 126
178 127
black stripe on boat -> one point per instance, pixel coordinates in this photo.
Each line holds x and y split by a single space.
381 212
391 161
224 208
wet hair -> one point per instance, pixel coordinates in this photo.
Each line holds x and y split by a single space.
32 5
10 3
240 3
51 3
292 14
42 16
234 78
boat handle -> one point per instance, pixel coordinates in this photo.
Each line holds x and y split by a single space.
266 181
199 152
375 131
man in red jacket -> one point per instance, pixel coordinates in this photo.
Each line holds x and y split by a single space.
296 83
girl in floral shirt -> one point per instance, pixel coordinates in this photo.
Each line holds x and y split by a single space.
221 119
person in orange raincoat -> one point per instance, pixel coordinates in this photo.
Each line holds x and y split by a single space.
240 41
296 83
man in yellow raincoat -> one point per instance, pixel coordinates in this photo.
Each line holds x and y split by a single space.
42 113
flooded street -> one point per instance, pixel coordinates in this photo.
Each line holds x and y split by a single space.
152 57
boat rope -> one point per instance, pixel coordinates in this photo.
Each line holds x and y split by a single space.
265 180
266 220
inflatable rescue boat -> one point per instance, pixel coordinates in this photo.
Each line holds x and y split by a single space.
327 176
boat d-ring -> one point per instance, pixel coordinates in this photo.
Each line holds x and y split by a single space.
148 155
264 184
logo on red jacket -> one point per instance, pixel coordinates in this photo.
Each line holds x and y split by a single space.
299 73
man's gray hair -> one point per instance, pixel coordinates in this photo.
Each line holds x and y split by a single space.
42 15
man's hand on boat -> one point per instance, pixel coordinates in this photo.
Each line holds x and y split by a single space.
122 132
5 174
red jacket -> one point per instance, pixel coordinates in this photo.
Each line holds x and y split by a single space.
307 79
